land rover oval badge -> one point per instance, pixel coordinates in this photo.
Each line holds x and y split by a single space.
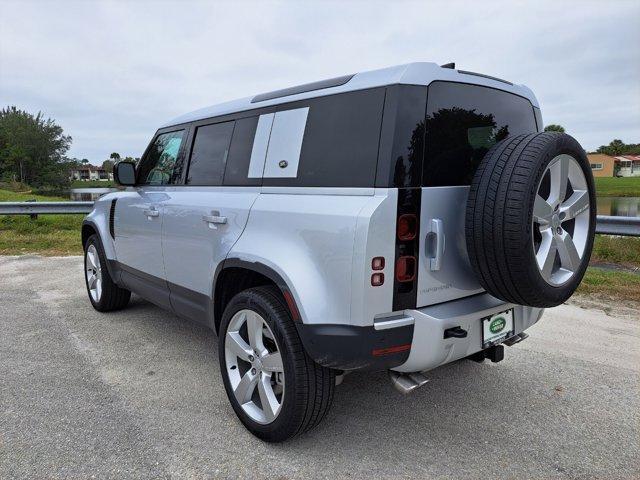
497 324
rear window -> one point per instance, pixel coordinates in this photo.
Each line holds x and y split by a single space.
462 123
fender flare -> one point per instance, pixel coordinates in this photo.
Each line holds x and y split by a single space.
264 270
113 272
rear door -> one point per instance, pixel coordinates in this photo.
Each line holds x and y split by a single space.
204 217
461 124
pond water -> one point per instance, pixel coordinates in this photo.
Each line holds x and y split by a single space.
88 194
619 206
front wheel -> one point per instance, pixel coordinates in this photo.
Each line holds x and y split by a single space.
104 294
275 388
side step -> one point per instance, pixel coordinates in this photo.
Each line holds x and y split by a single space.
407 382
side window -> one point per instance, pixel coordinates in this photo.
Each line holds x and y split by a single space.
463 122
158 167
237 171
340 136
209 154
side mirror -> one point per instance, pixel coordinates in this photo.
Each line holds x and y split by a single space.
124 173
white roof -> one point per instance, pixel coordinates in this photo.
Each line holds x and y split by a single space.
420 73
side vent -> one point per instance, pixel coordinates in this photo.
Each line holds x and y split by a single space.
112 212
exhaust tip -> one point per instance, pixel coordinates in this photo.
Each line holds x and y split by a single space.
406 383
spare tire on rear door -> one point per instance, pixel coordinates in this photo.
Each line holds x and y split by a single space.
530 219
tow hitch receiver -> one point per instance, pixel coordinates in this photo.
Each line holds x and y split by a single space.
407 382
495 354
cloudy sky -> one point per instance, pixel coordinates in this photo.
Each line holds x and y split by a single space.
111 72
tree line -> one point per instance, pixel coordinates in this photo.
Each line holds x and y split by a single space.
33 151
615 148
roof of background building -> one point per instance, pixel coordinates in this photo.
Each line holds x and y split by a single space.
93 168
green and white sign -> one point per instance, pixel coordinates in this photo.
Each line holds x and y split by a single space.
497 328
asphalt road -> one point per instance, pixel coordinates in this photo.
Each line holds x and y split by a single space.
138 393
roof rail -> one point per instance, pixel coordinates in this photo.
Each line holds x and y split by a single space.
307 87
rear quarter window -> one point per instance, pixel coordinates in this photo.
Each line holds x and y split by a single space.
462 123
237 168
340 141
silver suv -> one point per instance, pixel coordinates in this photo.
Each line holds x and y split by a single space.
398 219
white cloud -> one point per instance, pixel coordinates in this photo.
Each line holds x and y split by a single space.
111 72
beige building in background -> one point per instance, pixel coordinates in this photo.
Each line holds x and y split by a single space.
601 164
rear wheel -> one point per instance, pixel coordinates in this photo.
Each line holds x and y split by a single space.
104 294
275 388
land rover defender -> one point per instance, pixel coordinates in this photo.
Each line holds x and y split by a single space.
398 219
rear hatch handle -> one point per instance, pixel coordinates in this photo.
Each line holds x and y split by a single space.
435 244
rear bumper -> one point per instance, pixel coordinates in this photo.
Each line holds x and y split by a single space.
429 347
417 343
348 347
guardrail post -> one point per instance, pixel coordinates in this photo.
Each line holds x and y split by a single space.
33 216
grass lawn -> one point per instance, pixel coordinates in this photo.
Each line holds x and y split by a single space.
48 235
610 285
619 250
618 187
92 184
9 196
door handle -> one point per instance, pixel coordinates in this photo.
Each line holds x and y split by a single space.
435 244
214 219
152 212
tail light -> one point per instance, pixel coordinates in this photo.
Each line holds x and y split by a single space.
406 269
407 251
407 226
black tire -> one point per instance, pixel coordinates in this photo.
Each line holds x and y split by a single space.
499 218
309 387
112 297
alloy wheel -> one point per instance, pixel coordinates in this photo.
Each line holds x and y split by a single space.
561 220
254 366
93 272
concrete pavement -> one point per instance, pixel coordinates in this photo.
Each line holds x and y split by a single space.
138 393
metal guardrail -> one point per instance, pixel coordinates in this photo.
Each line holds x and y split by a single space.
37 208
626 226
